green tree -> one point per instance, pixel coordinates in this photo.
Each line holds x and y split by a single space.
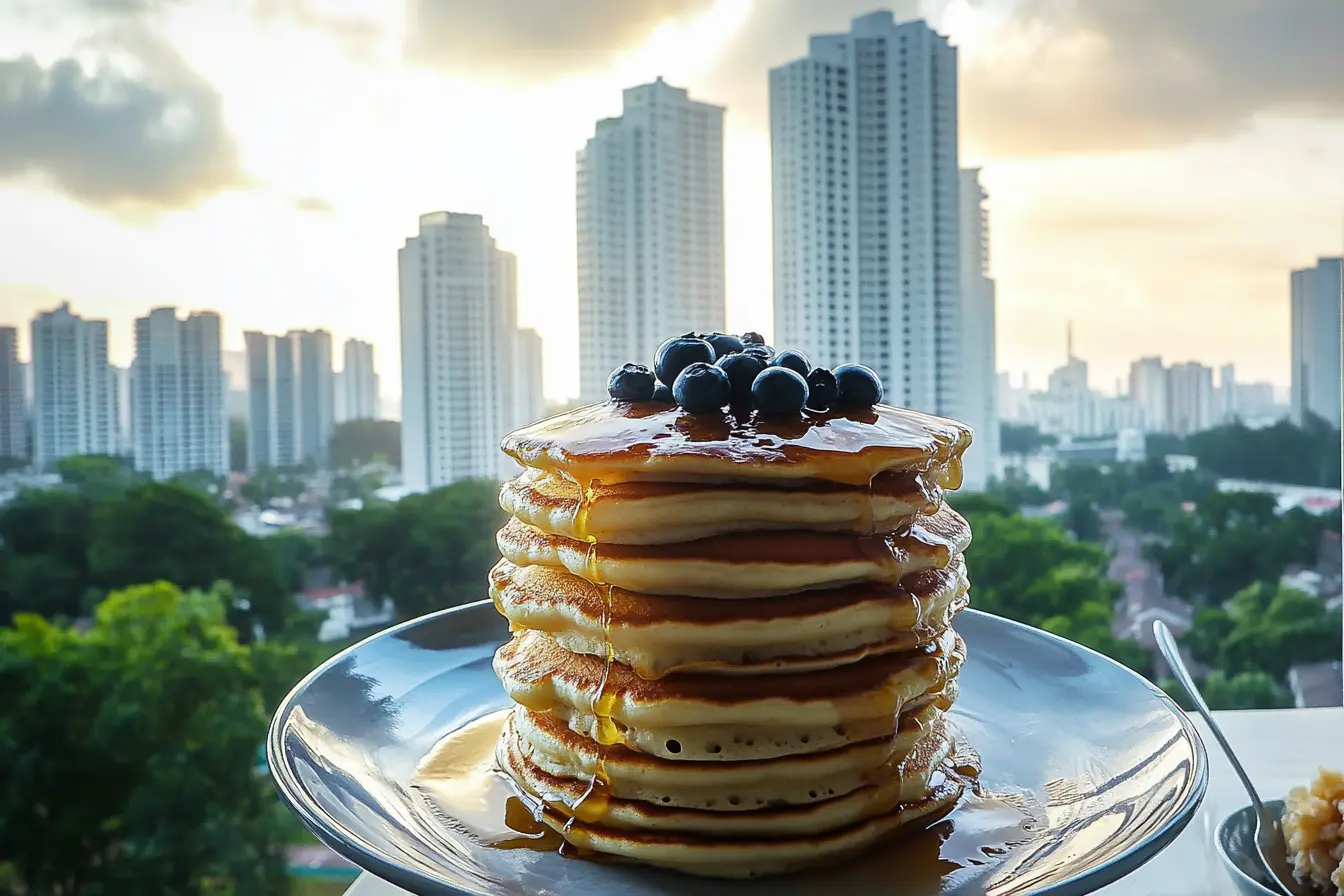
237 445
1297 455
164 532
1264 628
1245 690
131 752
358 442
1030 570
44 568
1232 540
1022 438
98 476
426 552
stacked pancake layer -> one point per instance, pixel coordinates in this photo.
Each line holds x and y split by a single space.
732 649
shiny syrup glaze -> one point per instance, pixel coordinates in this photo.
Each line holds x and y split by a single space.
617 441
462 786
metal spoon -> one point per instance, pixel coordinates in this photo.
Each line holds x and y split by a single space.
1268 831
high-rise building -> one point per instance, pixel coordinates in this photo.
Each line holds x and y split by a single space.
1317 296
1191 406
529 401
650 230
863 136
121 410
13 400
979 388
290 396
359 382
1225 396
179 421
72 387
457 298
1150 391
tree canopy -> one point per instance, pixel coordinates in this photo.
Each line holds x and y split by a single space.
426 552
131 750
358 442
1233 539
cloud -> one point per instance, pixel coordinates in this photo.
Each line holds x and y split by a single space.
156 140
1089 76
527 40
358 37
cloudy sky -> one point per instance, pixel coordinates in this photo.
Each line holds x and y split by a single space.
1156 168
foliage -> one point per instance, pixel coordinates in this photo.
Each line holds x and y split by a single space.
1233 539
132 753
164 532
355 443
1016 491
1031 571
1022 438
1305 455
98 476
203 481
1264 628
426 552
237 445
1245 690
267 484
43 553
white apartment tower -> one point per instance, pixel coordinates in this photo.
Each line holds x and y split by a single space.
359 382
529 401
13 398
290 397
867 261
1150 392
458 297
179 422
1317 296
979 388
650 230
73 411
1191 403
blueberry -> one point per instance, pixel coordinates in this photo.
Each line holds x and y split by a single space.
742 369
764 352
702 388
779 392
630 382
663 392
795 361
859 386
753 339
679 352
821 389
723 344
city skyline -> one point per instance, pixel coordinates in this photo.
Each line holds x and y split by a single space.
1103 217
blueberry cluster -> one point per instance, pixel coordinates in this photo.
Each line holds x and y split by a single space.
706 372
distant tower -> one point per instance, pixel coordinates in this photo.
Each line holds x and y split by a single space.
649 203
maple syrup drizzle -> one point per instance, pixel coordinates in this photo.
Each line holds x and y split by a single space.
593 803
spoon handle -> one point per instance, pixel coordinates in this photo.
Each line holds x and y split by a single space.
1167 644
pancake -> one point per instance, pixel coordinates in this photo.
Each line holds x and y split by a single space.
556 749
542 676
622 441
734 743
666 512
902 781
660 634
751 564
728 849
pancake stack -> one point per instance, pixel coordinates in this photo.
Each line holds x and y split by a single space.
732 650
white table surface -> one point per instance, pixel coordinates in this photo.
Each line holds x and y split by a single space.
1281 748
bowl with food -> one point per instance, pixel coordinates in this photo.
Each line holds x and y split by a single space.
1313 830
